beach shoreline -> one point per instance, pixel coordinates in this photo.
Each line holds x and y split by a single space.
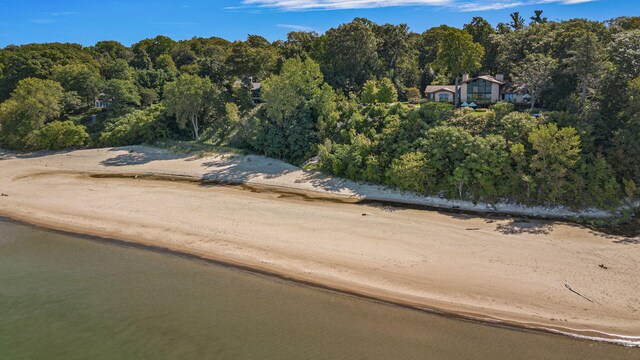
593 335
116 208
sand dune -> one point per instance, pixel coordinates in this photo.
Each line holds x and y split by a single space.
532 273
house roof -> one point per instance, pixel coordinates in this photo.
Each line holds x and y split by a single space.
254 85
486 78
435 88
103 97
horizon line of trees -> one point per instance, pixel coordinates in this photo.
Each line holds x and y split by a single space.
341 96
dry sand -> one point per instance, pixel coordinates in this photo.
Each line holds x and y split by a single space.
536 274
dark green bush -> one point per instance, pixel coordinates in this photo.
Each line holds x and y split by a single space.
136 127
58 135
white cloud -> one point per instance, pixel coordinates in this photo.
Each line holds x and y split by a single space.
295 27
460 5
63 13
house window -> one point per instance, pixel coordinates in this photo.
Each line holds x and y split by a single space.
443 97
510 97
479 91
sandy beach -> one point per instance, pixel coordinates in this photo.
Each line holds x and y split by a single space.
536 274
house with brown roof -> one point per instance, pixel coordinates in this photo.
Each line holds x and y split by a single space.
440 93
483 90
255 88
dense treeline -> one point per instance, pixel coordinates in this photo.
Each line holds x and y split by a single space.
352 100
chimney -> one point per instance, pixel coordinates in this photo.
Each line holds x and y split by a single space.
465 77
500 77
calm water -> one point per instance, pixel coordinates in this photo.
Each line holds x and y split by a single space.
63 297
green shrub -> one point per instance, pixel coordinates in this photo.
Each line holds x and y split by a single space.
58 135
379 92
474 122
408 172
502 109
413 95
515 126
136 127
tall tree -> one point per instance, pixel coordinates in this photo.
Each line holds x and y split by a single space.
141 59
537 18
556 152
81 78
625 53
458 54
427 45
191 99
517 21
349 55
255 58
31 105
37 61
586 61
156 46
123 94
111 50
165 62
482 33
298 105
396 51
299 44
535 74
626 150
503 28
117 69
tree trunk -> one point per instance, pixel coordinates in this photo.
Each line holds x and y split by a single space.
455 95
584 95
399 89
533 100
194 123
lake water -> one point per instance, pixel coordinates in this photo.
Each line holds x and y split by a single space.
66 297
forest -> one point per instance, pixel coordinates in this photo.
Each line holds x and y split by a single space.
351 103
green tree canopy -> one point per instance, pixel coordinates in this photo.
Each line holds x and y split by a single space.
517 21
298 106
556 152
58 135
31 105
458 54
81 78
586 60
349 55
191 99
123 94
535 74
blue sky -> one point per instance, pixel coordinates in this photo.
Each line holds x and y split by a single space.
128 21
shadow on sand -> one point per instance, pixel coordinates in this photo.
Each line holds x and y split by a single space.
238 170
7 154
519 227
140 156
233 169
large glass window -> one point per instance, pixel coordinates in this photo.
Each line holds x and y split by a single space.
510 97
479 91
443 97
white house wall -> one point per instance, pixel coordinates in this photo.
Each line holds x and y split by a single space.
495 93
